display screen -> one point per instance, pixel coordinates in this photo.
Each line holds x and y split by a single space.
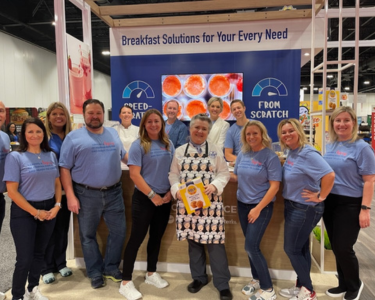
192 92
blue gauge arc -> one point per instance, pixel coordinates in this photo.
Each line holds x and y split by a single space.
278 85
138 85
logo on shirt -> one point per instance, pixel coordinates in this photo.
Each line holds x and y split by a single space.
290 163
255 162
338 152
212 154
109 143
47 163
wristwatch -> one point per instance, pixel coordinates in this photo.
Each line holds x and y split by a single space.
58 204
365 207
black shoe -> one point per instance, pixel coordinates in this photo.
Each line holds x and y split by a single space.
354 295
195 286
97 282
226 295
336 292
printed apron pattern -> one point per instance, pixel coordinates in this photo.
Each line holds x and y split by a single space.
204 226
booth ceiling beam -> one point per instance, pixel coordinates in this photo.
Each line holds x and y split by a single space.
206 11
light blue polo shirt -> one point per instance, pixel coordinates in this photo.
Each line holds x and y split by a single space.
350 161
36 177
93 159
154 165
233 139
255 170
303 169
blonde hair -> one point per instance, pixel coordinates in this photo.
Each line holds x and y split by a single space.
214 99
143 135
302 139
266 140
48 125
332 134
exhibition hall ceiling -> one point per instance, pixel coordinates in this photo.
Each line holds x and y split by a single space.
31 20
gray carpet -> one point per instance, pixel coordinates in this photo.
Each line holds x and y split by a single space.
7 251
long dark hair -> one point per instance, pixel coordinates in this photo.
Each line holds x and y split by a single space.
8 129
44 146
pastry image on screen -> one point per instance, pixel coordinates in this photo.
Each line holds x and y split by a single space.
192 92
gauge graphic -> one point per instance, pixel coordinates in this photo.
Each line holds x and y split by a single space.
278 85
139 87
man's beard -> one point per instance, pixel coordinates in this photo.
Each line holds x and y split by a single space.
90 125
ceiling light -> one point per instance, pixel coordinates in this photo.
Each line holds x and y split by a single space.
315 89
307 54
330 76
54 23
366 82
305 88
106 52
347 88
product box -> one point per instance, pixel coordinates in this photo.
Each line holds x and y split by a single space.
332 99
193 196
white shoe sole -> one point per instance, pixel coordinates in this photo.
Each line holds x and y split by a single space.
287 296
335 295
158 286
359 292
128 298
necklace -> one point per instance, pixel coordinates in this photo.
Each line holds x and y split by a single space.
36 154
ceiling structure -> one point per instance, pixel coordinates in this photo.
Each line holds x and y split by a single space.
31 20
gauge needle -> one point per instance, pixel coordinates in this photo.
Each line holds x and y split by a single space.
271 94
139 95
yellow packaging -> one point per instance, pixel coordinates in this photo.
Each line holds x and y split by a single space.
193 196
332 99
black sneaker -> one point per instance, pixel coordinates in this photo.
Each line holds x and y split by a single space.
115 275
336 292
354 295
97 282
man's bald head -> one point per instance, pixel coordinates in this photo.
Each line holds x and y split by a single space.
2 113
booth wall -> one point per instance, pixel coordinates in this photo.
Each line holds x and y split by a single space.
28 76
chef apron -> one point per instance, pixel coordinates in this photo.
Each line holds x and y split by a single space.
204 226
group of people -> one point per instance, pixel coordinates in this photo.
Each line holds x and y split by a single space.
162 154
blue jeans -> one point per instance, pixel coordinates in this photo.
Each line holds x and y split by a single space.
253 233
95 204
31 238
300 219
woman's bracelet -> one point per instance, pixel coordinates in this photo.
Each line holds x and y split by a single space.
151 194
37 215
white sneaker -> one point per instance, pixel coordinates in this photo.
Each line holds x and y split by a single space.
156 280
129 291
305 294
2 296
289 293
251 287
35 294
264 295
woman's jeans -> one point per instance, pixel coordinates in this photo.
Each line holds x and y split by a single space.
253 233
300 219
31 238
341 218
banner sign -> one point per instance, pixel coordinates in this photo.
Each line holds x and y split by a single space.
80 69
240 55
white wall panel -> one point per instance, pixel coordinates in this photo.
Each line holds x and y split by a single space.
28 76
